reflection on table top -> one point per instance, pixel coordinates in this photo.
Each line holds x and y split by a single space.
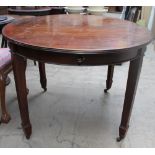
77 32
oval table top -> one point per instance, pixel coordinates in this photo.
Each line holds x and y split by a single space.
86 33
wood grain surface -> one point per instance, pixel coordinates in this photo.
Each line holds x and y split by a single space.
77 32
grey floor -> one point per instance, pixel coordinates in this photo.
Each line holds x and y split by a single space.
75 112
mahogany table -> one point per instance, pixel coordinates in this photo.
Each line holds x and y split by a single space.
84 40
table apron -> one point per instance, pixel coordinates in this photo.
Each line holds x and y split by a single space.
75 58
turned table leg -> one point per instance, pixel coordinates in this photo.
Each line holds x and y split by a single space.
42 72
132 82
109 77
19 67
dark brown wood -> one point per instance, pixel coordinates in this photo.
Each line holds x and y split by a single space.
77 40
132 82
57 10
73 58
19 67
109 78
5 118
77 34
42 72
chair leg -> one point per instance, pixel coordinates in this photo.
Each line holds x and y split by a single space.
35 63
5 118
4 43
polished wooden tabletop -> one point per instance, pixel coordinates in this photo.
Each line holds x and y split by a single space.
77 32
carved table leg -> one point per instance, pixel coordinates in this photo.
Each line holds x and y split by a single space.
43 79
109 78
132 82
5 118
19 67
